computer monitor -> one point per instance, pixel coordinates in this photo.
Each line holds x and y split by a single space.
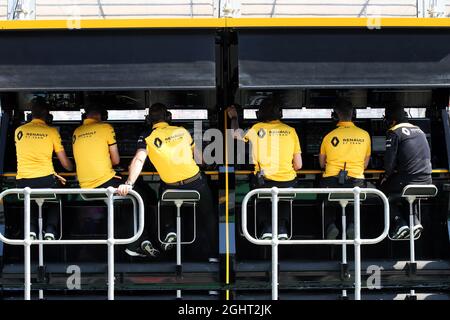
378 144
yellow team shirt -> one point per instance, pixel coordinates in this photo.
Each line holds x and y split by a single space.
347 144
273 147
91 142
35 143
170 149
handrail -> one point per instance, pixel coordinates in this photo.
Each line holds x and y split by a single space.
110 242
357 241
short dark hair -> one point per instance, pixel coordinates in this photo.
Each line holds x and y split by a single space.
93 108
344 109
269 110
158 112
395 112
39 108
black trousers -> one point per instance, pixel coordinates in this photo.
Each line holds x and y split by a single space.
207 218
264 207
50 210
149 198
333 214
393 188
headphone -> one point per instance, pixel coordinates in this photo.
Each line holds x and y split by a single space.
335 116
150 119
267 113
103 113
398 115
41 102
48 119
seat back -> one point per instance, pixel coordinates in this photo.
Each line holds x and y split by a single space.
350 197
285 196
37 196
93 196
419 191
180 195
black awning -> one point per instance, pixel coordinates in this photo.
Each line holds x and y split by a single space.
283 58
107 59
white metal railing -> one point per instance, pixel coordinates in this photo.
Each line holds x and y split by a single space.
335 8
178 198
107 9
111 9
110 241
357 241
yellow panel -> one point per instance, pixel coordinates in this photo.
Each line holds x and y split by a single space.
112 24
372 22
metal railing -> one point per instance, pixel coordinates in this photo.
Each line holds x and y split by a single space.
107 9
110 241
357 241
337 8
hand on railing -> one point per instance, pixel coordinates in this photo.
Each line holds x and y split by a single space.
124 189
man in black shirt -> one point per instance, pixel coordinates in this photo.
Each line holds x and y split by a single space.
407 161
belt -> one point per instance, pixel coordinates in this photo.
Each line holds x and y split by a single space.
186 181
348 178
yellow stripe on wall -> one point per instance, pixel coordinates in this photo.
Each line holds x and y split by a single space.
371 22
112 24
222 23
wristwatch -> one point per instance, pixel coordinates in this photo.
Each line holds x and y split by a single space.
129 183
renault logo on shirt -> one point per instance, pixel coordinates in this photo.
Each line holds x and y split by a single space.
158 142
353 140
261 133
406 131
19 135
335 141
87 135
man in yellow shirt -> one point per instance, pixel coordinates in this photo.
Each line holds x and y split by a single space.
345 154
95 151
35 143
171 151
276 155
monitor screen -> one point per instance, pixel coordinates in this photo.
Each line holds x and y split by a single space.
378 143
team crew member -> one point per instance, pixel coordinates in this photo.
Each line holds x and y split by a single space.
95 151
35 143
344 153
171 151
276 155
407 161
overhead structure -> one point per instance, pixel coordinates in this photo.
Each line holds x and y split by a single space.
343 57
101 59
